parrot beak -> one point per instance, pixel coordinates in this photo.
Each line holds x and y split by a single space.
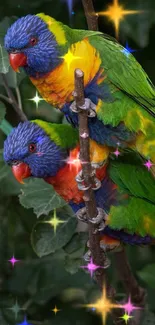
21 171
17 60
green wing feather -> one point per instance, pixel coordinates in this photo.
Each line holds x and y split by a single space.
63 135
124 72
137 213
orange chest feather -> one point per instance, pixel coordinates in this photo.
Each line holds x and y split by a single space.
57 87
64 182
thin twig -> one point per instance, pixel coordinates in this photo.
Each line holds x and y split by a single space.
91 16
14 103
19 98
131 285
7 99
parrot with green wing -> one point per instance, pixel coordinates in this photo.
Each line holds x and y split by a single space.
121 96
125 198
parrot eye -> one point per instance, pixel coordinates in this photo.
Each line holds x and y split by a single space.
33 41
32 147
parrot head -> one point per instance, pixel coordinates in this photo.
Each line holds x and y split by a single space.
32 45
31 153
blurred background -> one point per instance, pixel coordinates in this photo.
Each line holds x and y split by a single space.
48 272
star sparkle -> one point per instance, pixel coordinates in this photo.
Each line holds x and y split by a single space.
126 317
55 310
69 57
103 306
36 99
54 221
13 260
16 309
70 6
24 322
116 152
116 12
129 307
128 50
148 164
91 267
74 161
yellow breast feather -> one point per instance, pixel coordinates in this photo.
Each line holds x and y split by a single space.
57 87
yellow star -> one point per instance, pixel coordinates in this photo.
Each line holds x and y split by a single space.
55 310
54 221
116 13
36 99
69 57
126 317
103 305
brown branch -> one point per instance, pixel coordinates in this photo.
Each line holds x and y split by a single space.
94 240
98 255
138 294
91 16
13 100
130 284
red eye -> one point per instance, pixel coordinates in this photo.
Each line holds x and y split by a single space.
32 147
33 41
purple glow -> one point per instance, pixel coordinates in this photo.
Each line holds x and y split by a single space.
116 152
91 267
148 164
129 307
13 260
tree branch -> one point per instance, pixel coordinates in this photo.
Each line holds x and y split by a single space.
19 98
12 98
91 16
131 285
94 240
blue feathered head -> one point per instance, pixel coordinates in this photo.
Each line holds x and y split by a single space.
32 45
31 152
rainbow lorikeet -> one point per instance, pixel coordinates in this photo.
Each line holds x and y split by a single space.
125 198
122 97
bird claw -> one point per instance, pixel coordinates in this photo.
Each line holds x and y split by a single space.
88 105
82 215
101 216
79 179
99 219
87 257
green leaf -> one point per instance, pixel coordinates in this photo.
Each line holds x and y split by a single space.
76 246
147 275
148 318
40 196
9 185
45 241
2 111
4 59
2 318
13 78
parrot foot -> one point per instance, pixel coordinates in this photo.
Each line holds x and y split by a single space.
88 105
79 179
99 219
88 256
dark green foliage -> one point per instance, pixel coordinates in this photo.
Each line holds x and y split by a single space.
49 272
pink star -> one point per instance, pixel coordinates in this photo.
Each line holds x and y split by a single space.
91 267
116 152
129 307
148 164
84 135
13 260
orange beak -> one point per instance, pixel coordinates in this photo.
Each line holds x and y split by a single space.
21 171
17 60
